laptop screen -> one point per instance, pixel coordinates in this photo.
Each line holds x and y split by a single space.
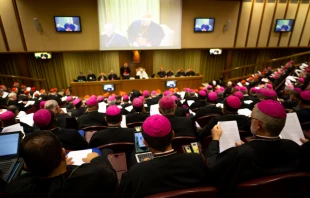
108 87
9 144
139 145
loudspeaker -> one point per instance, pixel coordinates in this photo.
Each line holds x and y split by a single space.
37 24
227 25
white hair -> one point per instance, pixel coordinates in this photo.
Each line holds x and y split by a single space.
50 104
11 95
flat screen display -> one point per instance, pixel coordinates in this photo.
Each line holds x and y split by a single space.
68 24
215 51
42 55
139 24
284 25
171 83
139 145
108 87
9 144
204 24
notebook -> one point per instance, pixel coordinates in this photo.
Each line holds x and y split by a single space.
9 147
141 150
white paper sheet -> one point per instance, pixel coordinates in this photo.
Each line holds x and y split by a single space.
248 101
191 112
145 105
64 98
129 108
154 109
30 103
197 125
13 128
190 102
182 101
123 123
28 119
230 135
102 107
5 94
292 129
64 110
245 112
182 94
2 111
221 105
119 106
196 94
77 156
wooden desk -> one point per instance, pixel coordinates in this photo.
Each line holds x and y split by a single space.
96 87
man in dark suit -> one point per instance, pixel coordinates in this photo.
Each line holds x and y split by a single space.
161 73
178 171
169 73
91 76
112 76
114 133
111 39
210 108
79 108
102 77
81 77
179 111
51 174
70 138
12 100
231 106
181 126
53 96
125 71
139 114
190 72
267 154
69 26
60 115
92 117
201 102
181 72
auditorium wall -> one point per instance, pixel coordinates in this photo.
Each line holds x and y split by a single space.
252 24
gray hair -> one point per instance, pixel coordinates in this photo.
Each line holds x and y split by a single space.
273 125
11 95
50 105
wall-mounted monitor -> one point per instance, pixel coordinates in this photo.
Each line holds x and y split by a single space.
215 51
171 83
204 24
67 23
284 25
108 87
42 55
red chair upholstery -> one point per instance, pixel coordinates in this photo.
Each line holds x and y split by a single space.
198 192
180 141
118 162
33 109
294 184
205 142
202 121
134 124
91 130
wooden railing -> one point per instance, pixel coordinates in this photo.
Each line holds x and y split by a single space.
9 79
246 71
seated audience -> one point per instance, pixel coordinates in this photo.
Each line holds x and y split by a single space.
231 106
79 108
201 102
267 154
70 138
91 117
180 125
168 170
60 115
52 175
12 100
68 105
114 133
179 111
54 96
18 114
139 114
210 109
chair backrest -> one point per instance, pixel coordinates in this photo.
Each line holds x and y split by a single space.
33 109
118 147
305 126
71 123
198 192
91 130
202 121
294 184
3 107
119 164
180 141
134 124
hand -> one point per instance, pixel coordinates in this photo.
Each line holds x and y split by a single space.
304 140
89 157
146 159
239 144
216 132
69 161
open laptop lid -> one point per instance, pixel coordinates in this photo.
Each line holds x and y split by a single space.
9 145
139 145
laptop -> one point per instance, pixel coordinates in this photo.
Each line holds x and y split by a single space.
9 151
141 150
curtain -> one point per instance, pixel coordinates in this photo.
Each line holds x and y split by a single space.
124 12
52 70
75 62
8 66
176 59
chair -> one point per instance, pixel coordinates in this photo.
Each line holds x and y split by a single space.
71 123
294 184
119 147
91 130
198 192
3 107
33 109
134 124
202 121
180 141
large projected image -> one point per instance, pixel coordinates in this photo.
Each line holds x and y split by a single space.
139 24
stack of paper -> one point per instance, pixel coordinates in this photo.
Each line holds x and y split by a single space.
13 128
29 103
102 107
230 135
292 129
248 101
28 119
154 109
77 156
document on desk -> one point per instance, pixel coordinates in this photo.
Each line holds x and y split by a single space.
123 123
28 119
30 103
154 109
129 108
77 156
292 129
190 102
245 112
102 107
230 135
